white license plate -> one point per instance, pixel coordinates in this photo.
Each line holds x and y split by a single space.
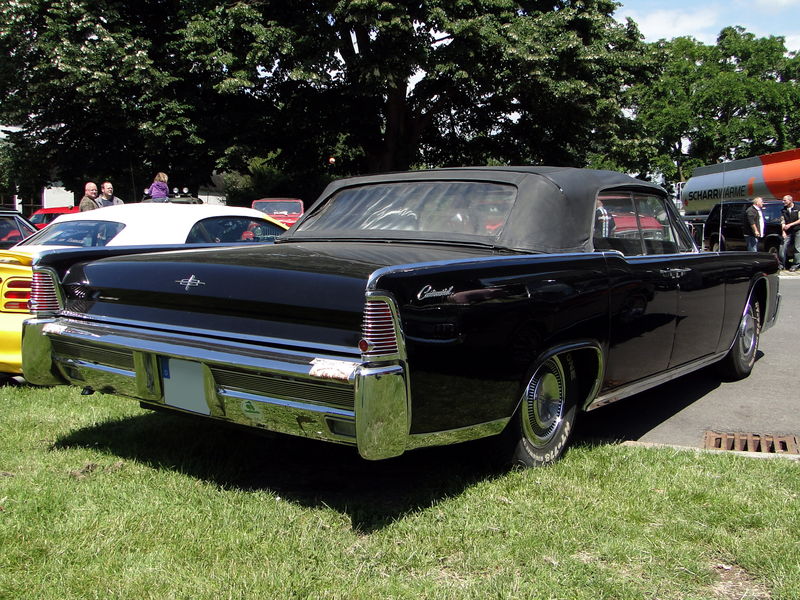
183 385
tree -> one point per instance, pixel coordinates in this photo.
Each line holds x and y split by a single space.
98 92
385 85
735 99
189 87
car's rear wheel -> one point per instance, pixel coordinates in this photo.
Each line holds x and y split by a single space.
546 415
739 361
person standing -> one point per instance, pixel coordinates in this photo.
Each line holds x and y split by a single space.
790 216
754 224
89 200
159 190
107 197
604 223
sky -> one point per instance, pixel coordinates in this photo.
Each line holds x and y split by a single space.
703 21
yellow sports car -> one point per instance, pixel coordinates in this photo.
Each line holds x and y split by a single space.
145 224
15 290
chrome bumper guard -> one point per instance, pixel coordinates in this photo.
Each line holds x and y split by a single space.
279 390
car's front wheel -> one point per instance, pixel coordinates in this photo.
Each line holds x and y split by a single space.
546 415
739 361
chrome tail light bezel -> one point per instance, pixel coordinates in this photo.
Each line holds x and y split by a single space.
381 333
47 296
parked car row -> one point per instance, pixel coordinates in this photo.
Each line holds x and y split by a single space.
726 223
146 226
412 309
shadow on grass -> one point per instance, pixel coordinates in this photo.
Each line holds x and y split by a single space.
372 494
311 473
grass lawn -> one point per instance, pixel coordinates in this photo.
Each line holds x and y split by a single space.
100 499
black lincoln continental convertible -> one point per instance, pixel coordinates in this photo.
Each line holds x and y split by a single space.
415 309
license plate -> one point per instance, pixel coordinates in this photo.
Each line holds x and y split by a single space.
183 385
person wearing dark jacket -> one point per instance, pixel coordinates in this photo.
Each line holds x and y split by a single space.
89 200
754 224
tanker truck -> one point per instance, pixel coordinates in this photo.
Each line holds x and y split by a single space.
770 176
737 182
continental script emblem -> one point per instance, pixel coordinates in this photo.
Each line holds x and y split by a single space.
191 282
429 292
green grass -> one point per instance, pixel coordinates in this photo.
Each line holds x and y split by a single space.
99 499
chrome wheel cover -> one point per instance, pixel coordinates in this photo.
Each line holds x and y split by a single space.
748 333
543 403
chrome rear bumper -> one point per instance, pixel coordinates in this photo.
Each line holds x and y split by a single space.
302 393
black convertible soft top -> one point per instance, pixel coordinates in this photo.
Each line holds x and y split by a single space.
553 212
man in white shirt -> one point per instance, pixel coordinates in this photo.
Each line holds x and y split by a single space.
754 224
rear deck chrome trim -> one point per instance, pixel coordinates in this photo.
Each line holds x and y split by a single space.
242 339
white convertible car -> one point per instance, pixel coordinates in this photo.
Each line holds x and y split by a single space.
155 223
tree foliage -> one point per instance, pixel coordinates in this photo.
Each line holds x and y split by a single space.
271 89
109 88
734 99
99 91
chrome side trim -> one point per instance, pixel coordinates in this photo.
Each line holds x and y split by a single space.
522 257
456 436
651 382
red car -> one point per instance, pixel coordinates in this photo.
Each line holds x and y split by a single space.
44 216
285 210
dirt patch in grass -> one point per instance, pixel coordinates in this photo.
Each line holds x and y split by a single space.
734 583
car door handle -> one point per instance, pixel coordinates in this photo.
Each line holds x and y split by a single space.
675 273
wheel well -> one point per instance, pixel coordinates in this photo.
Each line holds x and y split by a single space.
760 293
588 371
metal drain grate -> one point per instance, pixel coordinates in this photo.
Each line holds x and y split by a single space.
752 442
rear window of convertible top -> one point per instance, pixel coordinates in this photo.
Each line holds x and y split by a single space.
463 207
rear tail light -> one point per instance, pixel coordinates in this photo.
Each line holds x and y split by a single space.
378 330
44 295
16 294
